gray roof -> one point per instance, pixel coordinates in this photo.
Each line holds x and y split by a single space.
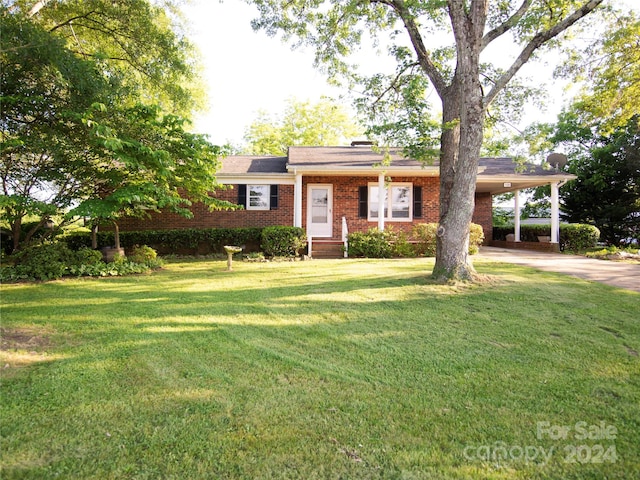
507 166
346 157
243 164
496 175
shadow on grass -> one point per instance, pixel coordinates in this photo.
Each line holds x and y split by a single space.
357 369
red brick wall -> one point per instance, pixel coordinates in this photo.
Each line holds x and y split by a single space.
203 218
345 203
483 215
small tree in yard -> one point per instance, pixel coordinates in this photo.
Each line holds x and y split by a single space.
154 164
465 84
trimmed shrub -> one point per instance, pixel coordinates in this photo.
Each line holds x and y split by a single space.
578 236
87 256
282 241
425 237
476 237
573 236
399 242
142 254
372 244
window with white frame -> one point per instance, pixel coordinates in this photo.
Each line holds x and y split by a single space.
258 197
397 202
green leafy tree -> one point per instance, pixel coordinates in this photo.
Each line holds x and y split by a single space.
609 70
458 72
151 164
607 191
74 143
302 123
45 89
142 42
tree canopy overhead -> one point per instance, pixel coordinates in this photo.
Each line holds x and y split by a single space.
608 67
140 42
458 69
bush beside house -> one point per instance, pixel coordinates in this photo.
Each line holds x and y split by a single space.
389 243
573 236
282 241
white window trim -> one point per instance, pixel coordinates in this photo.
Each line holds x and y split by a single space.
371 200
268 195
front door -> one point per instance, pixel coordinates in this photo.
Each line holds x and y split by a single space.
320 211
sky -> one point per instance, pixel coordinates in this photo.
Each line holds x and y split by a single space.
247 72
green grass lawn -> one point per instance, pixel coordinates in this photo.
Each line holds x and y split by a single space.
326 369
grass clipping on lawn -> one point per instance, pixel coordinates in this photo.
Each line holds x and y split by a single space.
333 369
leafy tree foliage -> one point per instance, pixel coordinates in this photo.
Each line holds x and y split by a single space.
139 41
45 90
465 83
76 139
607 191
302 123
609 70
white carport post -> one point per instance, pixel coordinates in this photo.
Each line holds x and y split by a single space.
516 215
381 202
297 201
555 213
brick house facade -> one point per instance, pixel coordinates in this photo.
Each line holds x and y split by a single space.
344 183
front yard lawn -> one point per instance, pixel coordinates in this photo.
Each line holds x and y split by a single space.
326 369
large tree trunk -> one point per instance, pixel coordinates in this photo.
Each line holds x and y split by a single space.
459 157
461 141
453 229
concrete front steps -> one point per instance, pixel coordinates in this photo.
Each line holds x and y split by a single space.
327 248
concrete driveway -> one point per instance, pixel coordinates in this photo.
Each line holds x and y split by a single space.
617 274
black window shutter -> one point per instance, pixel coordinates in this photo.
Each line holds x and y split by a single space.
242 195
274 197
417 202
363 204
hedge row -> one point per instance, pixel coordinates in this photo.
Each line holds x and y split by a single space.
192 240
390 243
573 236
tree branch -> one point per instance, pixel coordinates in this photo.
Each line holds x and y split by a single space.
506 26
394 82
424 59
69 21
536 42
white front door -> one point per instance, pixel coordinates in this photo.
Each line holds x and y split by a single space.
320 210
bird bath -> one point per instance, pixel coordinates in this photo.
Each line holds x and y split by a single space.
231 249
